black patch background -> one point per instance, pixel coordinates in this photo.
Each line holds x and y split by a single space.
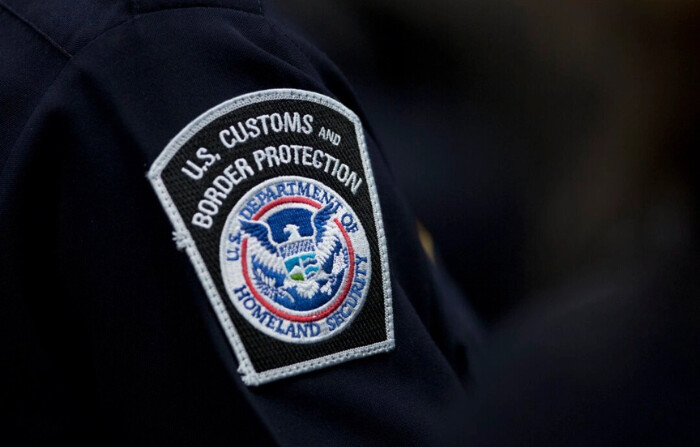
264 351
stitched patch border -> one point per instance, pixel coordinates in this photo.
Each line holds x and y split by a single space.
184 238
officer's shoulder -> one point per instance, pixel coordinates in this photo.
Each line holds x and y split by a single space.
70 25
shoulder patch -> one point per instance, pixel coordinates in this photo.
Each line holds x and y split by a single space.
273 198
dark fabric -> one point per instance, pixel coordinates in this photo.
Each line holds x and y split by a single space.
610 359
106 330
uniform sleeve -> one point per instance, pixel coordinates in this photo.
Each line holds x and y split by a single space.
126 317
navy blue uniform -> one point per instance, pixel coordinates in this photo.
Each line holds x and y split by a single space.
107 330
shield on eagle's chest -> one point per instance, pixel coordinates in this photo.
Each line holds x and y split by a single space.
291 229
302 266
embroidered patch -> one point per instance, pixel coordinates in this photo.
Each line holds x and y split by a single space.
273 198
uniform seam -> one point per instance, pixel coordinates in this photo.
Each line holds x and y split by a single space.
36 29
136 7
273 26
69 57
138 13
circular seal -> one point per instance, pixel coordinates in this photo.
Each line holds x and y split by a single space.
295 260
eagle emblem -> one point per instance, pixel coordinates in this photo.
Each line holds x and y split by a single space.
298 258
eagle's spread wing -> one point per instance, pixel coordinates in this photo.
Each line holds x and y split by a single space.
326 240
267 259
260 232
321 219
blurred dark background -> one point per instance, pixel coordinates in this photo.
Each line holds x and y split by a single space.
548 146
536 140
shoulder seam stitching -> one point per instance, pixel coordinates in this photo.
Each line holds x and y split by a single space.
136 11
36 29
70 57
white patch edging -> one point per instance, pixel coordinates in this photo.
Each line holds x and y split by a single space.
248 374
